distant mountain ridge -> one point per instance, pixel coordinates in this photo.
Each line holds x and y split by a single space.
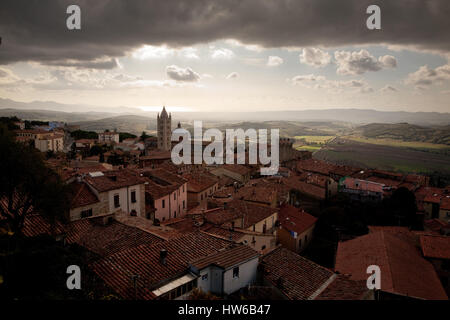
52 110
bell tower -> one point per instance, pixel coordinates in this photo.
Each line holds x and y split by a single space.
164 127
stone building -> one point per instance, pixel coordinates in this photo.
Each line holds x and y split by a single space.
164 127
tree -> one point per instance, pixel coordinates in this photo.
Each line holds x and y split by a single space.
402 206
144 136
28 185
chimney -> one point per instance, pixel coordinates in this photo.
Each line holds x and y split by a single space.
163 256
225 205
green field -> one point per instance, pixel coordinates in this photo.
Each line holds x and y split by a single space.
397 157
315 139
398 143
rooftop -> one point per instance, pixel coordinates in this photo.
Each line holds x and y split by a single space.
294 219
295 276
434 246
226 258
403 268
114 179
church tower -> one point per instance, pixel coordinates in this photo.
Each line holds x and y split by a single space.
164 126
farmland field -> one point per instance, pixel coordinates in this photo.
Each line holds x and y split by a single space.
387 157
399 143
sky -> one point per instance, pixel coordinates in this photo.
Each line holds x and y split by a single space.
228 55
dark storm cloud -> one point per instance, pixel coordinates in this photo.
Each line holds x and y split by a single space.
36 30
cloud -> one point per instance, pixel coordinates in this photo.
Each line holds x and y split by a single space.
359 62
182 74
222 53
95 64
425 76
306 79
274 61
36 30
312 81
315 57
233 75
162 52
388 88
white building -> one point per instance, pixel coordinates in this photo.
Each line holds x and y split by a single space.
226 271
108 137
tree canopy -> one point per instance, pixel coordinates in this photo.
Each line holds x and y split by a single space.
27 185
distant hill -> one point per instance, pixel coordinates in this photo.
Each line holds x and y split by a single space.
406 132
355 116
124 123
47 115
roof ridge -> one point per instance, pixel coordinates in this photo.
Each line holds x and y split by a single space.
385 247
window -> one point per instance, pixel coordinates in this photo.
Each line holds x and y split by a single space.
116 201
174 196
254 227
184 205
299 243
263 247
86 213
306 239
133 196
183 187
164 203
236 272
201 196
205 277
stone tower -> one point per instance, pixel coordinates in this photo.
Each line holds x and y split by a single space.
164 126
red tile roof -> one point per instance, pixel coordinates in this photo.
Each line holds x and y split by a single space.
114 179
364 185
197 182
144 261
294 219
237 168
259 194
35 225
226 258
295 276
82 195
437 247
403 270
108 239
343 288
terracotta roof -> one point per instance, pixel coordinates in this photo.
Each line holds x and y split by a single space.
35 225
435 225
294 219
226 258
164 175
108 239
157 155
251 212
308 189
197 182
363 185
434 246
114 179
237 168
144 261
404 271
343 288
82 195
295 276
256 194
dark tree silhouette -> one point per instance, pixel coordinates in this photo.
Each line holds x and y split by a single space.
27 185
